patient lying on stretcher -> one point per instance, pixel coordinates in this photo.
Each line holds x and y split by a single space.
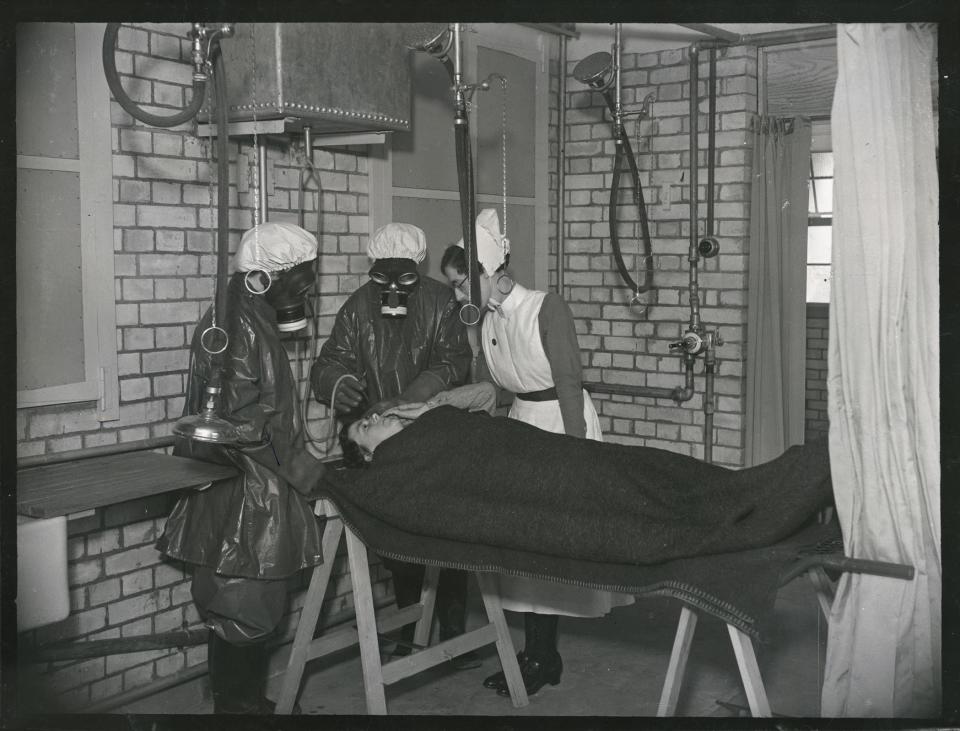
445 472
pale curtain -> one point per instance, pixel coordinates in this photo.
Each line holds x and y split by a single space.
883 650
776 304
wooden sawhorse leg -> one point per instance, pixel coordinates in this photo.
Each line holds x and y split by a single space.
746 663
376 674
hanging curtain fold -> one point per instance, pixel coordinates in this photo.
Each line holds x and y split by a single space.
883 649
776 301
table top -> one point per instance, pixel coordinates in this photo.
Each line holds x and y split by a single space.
72 487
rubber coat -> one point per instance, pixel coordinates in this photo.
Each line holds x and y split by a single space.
415 357
259 524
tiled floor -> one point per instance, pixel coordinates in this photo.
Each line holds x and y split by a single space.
613 666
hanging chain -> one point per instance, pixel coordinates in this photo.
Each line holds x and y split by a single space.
256 146
503 149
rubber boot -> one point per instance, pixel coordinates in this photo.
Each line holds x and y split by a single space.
544 665
452 616
238 675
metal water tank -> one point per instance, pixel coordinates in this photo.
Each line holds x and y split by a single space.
336 77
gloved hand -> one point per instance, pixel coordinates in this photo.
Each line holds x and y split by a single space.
351 393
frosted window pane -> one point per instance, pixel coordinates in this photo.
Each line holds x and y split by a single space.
819 244
822 164
49 279
824 195
818 283
47 90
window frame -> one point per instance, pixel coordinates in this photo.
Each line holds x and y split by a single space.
820 142
95 169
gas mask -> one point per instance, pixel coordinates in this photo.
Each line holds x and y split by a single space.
287 295
397 279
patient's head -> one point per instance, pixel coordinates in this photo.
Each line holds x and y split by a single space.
359 438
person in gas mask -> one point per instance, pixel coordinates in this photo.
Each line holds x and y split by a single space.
398 339
245 536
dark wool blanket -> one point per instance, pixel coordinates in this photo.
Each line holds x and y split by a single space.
489 493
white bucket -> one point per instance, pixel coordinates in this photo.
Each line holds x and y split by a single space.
42 593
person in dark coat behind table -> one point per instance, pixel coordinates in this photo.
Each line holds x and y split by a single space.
247 535
398 339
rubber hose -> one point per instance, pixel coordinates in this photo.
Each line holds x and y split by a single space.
468 209
113 81
223 182
627 153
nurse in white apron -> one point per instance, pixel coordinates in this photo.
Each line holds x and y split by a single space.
530 348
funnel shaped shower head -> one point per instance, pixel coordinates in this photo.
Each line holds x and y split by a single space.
595 70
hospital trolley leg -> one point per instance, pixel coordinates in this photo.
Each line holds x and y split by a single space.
366 626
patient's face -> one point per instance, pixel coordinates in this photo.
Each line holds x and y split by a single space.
369 432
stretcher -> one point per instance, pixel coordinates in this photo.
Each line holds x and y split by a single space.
816 562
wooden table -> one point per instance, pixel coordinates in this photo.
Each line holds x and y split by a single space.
73 487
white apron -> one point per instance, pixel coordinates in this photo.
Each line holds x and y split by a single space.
517 362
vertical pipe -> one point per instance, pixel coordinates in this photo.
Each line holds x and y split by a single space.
561 163
618 109
262 179
708 411
711 137
694 256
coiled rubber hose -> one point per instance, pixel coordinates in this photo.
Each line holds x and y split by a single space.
113 81
625 152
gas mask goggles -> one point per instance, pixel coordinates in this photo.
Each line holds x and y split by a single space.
397 279
286 293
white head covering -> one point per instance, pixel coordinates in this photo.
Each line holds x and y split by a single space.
273 247
492 246
398 241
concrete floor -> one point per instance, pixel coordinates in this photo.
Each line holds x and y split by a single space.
614 666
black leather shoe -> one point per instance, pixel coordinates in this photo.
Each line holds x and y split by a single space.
536 675
466 661
493 682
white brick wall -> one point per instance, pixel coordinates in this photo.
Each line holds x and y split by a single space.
642 357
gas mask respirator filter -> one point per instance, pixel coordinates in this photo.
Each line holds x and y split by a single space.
397 279
287 295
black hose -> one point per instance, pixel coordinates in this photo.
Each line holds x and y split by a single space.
624 151
468 213
113 81
223 185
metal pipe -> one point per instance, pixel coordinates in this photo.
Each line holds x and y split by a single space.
678 394
708 410
778 37
559 29
561 164
711 138
90 452
693 256
618 107
262 179
712 30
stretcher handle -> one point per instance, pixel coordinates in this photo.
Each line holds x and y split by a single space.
856 565
865 566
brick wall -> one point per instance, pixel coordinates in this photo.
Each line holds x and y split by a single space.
164 232
621 344
818 325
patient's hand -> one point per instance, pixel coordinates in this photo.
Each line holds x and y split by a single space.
407 411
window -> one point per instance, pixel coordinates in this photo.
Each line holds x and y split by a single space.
820 216
66 318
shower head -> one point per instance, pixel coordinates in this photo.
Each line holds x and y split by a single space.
432 38
595 70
